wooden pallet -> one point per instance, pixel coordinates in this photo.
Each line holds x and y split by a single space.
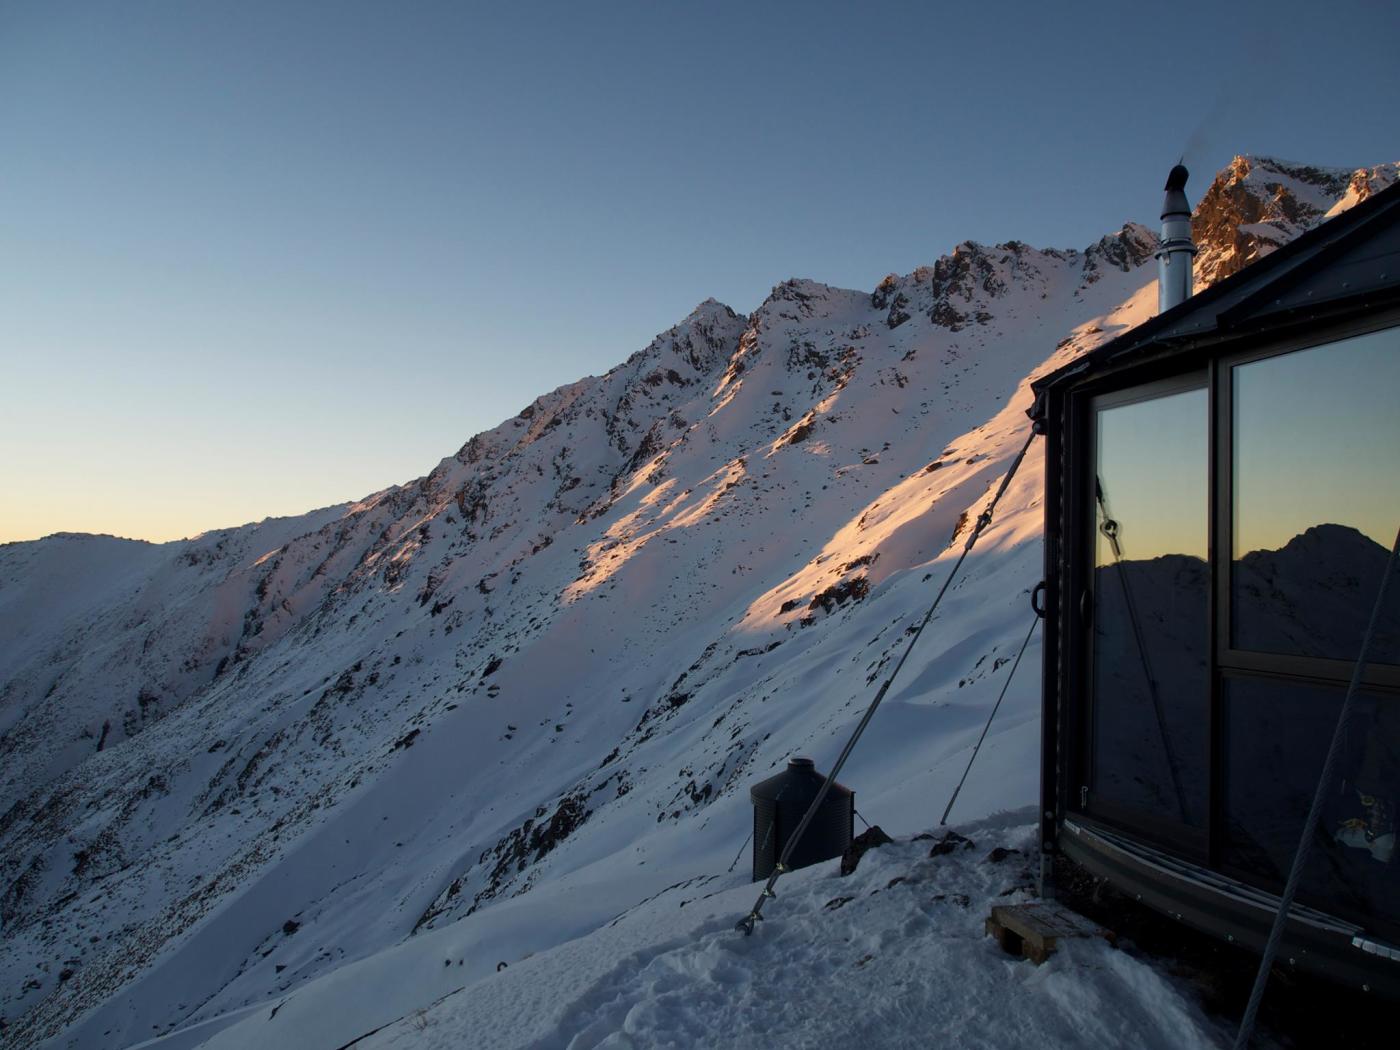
1033 931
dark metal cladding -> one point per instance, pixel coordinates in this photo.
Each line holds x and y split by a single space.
779 804
1335 283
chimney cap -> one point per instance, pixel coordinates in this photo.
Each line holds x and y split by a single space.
1175 204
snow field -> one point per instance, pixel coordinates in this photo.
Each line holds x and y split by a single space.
892 956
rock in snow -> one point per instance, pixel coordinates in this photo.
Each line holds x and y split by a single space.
479 716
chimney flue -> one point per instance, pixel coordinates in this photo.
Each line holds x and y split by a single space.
1177 251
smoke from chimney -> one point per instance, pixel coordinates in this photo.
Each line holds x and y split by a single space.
1177 251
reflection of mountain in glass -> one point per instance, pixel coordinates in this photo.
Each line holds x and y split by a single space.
1275 736
1152 685
1313 597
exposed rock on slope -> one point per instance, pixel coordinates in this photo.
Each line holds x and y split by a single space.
572 642
1259 203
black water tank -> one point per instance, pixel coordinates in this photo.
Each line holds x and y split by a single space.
778 806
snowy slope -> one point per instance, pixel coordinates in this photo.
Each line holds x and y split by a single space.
894 956
104 635
506 702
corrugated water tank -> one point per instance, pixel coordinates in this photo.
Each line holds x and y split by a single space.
778 806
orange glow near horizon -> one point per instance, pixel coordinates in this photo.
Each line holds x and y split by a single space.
1318 441
126 503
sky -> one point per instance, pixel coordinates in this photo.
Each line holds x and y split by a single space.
1316 435
1153 473
257 258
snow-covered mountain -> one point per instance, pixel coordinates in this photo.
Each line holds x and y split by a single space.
1257 204
497 706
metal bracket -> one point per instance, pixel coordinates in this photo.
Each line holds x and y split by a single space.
1038 599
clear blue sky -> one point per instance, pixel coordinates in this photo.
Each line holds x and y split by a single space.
259 257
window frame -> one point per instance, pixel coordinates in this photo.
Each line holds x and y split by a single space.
1215 358
1191 840
1229 658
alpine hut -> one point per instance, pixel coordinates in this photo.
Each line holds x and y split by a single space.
1222 495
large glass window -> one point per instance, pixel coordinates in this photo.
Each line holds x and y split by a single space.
1215 742
1276 736
1151 593
1316 498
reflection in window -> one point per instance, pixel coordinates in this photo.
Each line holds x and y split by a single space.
1151 585
1316 498
1276 736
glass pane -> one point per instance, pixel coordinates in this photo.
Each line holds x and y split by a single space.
1276 737
1317 498
1151 586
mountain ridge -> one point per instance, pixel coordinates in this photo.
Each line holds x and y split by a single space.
644 570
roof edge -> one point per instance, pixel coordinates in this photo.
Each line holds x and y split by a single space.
1295 251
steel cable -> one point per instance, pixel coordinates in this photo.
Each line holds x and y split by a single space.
747 923
1324 783
1110 528
978 746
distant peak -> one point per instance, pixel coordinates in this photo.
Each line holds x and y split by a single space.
709 309
1130 247
1330 534
1269 160
797 296
1258 202
797 288
89 537
1261 169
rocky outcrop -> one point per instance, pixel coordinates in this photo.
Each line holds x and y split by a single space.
1257 204
1129 248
